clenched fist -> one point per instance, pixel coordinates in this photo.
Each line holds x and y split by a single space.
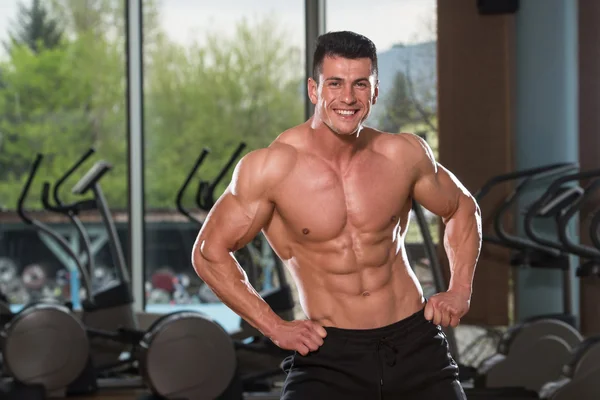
302 336
447 308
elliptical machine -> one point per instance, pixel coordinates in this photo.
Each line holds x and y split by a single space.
581 373
531 352
182 355
45 346
109 308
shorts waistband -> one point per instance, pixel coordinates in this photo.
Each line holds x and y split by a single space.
394 329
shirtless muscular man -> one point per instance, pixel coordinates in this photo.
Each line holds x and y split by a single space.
333 198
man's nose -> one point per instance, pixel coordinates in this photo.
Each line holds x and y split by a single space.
348 96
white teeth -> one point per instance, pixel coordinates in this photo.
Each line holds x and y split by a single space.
345 112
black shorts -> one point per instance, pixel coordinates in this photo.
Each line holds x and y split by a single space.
407 360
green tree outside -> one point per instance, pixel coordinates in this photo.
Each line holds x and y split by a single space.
35 28
63 99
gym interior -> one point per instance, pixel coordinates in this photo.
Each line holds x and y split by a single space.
120 124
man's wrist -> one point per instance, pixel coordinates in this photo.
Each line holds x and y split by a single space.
268 326
463 289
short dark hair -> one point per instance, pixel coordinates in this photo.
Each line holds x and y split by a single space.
344 44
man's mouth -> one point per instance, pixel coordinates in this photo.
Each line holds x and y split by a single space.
345 113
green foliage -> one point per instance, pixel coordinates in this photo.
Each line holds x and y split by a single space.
399 109
35 28
243 88
62 99
409 106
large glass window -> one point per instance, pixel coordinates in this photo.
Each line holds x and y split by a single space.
62 92
227 76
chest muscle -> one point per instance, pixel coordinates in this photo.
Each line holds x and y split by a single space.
319 203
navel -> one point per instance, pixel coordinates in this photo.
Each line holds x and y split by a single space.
366 293
305 231
394 218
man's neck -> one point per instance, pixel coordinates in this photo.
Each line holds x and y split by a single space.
336 148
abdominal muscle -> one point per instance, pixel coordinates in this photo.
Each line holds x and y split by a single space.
337 290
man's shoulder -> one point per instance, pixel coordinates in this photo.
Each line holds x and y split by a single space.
400 146
291 139
269 162
280 152
267 166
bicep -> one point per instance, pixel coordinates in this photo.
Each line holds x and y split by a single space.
233 222
434 186
438 190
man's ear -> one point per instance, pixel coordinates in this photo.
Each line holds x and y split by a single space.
375 93
313 88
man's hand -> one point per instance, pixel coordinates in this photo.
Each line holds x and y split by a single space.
447 308
301 336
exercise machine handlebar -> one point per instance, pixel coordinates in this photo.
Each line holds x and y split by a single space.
561 201
556 186
502 239
91 182
532 253
179 199
25 190
91 178
74 208
552 203
71 212
595 229
85 277
205 196
581 250
511 176
555 208
563 220
516 242
68 173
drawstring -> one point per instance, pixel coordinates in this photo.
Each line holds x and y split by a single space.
390 359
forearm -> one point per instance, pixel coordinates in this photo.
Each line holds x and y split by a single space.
462 242
223 274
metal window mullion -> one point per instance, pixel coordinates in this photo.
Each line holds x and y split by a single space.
135 107
315 26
